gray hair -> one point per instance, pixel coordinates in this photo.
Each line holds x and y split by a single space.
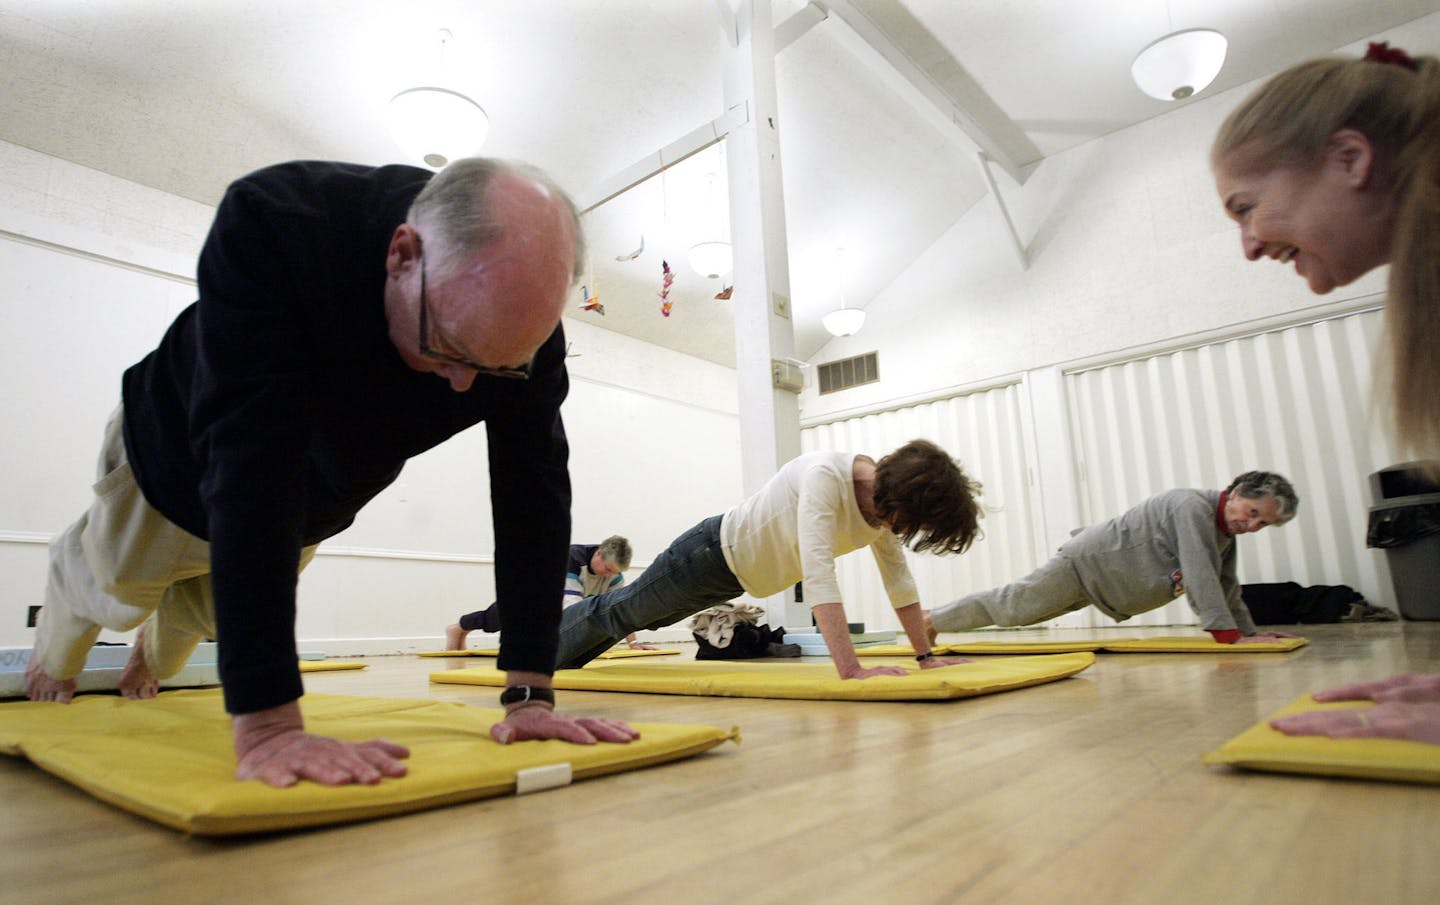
1259 485
616 551
453 202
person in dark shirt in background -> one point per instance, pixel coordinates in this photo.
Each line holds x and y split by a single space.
593 569
348 319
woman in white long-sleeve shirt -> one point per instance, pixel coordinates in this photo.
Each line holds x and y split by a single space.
817 506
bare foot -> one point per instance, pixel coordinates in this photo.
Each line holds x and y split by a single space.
929 626
40 687
455 637
136 681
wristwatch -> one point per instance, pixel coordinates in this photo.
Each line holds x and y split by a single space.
519 694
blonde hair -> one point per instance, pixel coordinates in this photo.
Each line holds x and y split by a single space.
1288 122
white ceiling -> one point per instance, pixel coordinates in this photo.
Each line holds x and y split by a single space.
185 95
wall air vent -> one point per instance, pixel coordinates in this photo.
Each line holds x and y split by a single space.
849 372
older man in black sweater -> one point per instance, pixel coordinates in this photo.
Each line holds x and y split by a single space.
348 319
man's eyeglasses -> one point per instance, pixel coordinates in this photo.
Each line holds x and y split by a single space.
517 372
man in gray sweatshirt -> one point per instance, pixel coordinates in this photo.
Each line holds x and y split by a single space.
1176 542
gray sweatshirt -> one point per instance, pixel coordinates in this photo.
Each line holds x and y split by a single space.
1171 544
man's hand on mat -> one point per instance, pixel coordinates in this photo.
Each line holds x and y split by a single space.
1421 688
937 662
537 721
859 672
273 747
1392 719
1265 638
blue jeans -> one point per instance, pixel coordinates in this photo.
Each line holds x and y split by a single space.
691 575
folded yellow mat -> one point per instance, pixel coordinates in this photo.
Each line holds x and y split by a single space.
1029 647
1199 644
986 647
619 653
1263 748
170 760
804 681
329 665
1175 644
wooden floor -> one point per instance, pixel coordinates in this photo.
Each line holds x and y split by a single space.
1086 790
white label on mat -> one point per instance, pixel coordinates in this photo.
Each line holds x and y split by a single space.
538 779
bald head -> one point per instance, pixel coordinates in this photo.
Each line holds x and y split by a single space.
499 246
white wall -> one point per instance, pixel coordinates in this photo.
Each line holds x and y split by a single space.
97 267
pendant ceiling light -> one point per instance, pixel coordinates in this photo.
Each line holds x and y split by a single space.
843 321
1180 64
715 258
711 259
435 125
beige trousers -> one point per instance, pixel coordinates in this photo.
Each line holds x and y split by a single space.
123 564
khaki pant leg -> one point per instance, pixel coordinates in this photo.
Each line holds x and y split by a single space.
113 566
185 617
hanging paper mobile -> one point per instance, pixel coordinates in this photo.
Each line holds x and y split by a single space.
632 255
668 278
724 294
590 302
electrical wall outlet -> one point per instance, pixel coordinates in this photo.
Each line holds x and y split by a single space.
31 616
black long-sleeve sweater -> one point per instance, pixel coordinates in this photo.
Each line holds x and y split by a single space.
276 406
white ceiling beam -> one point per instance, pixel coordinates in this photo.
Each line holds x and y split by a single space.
659 161
997 135
727 22
789 31
1015 242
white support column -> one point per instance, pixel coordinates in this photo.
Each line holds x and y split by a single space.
769 418
1047 430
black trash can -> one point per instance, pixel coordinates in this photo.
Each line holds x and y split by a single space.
1405 523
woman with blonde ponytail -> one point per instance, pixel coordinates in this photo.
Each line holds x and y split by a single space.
1334 165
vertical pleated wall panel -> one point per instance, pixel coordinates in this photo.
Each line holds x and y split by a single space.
983 431
1295 401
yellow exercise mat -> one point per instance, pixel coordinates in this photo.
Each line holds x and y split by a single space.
1175 644
170 759
1028 647
892 650
1199 644
619 653
987 647
1263 748
329 665
804 681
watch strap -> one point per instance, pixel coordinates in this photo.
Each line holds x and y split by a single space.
520 694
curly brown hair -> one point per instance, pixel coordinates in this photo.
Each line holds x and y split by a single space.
922 493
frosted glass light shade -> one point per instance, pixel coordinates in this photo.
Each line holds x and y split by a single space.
437 125
844 321
711 259
1180 64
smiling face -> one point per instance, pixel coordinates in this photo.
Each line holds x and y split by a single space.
1246 516
1331 221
